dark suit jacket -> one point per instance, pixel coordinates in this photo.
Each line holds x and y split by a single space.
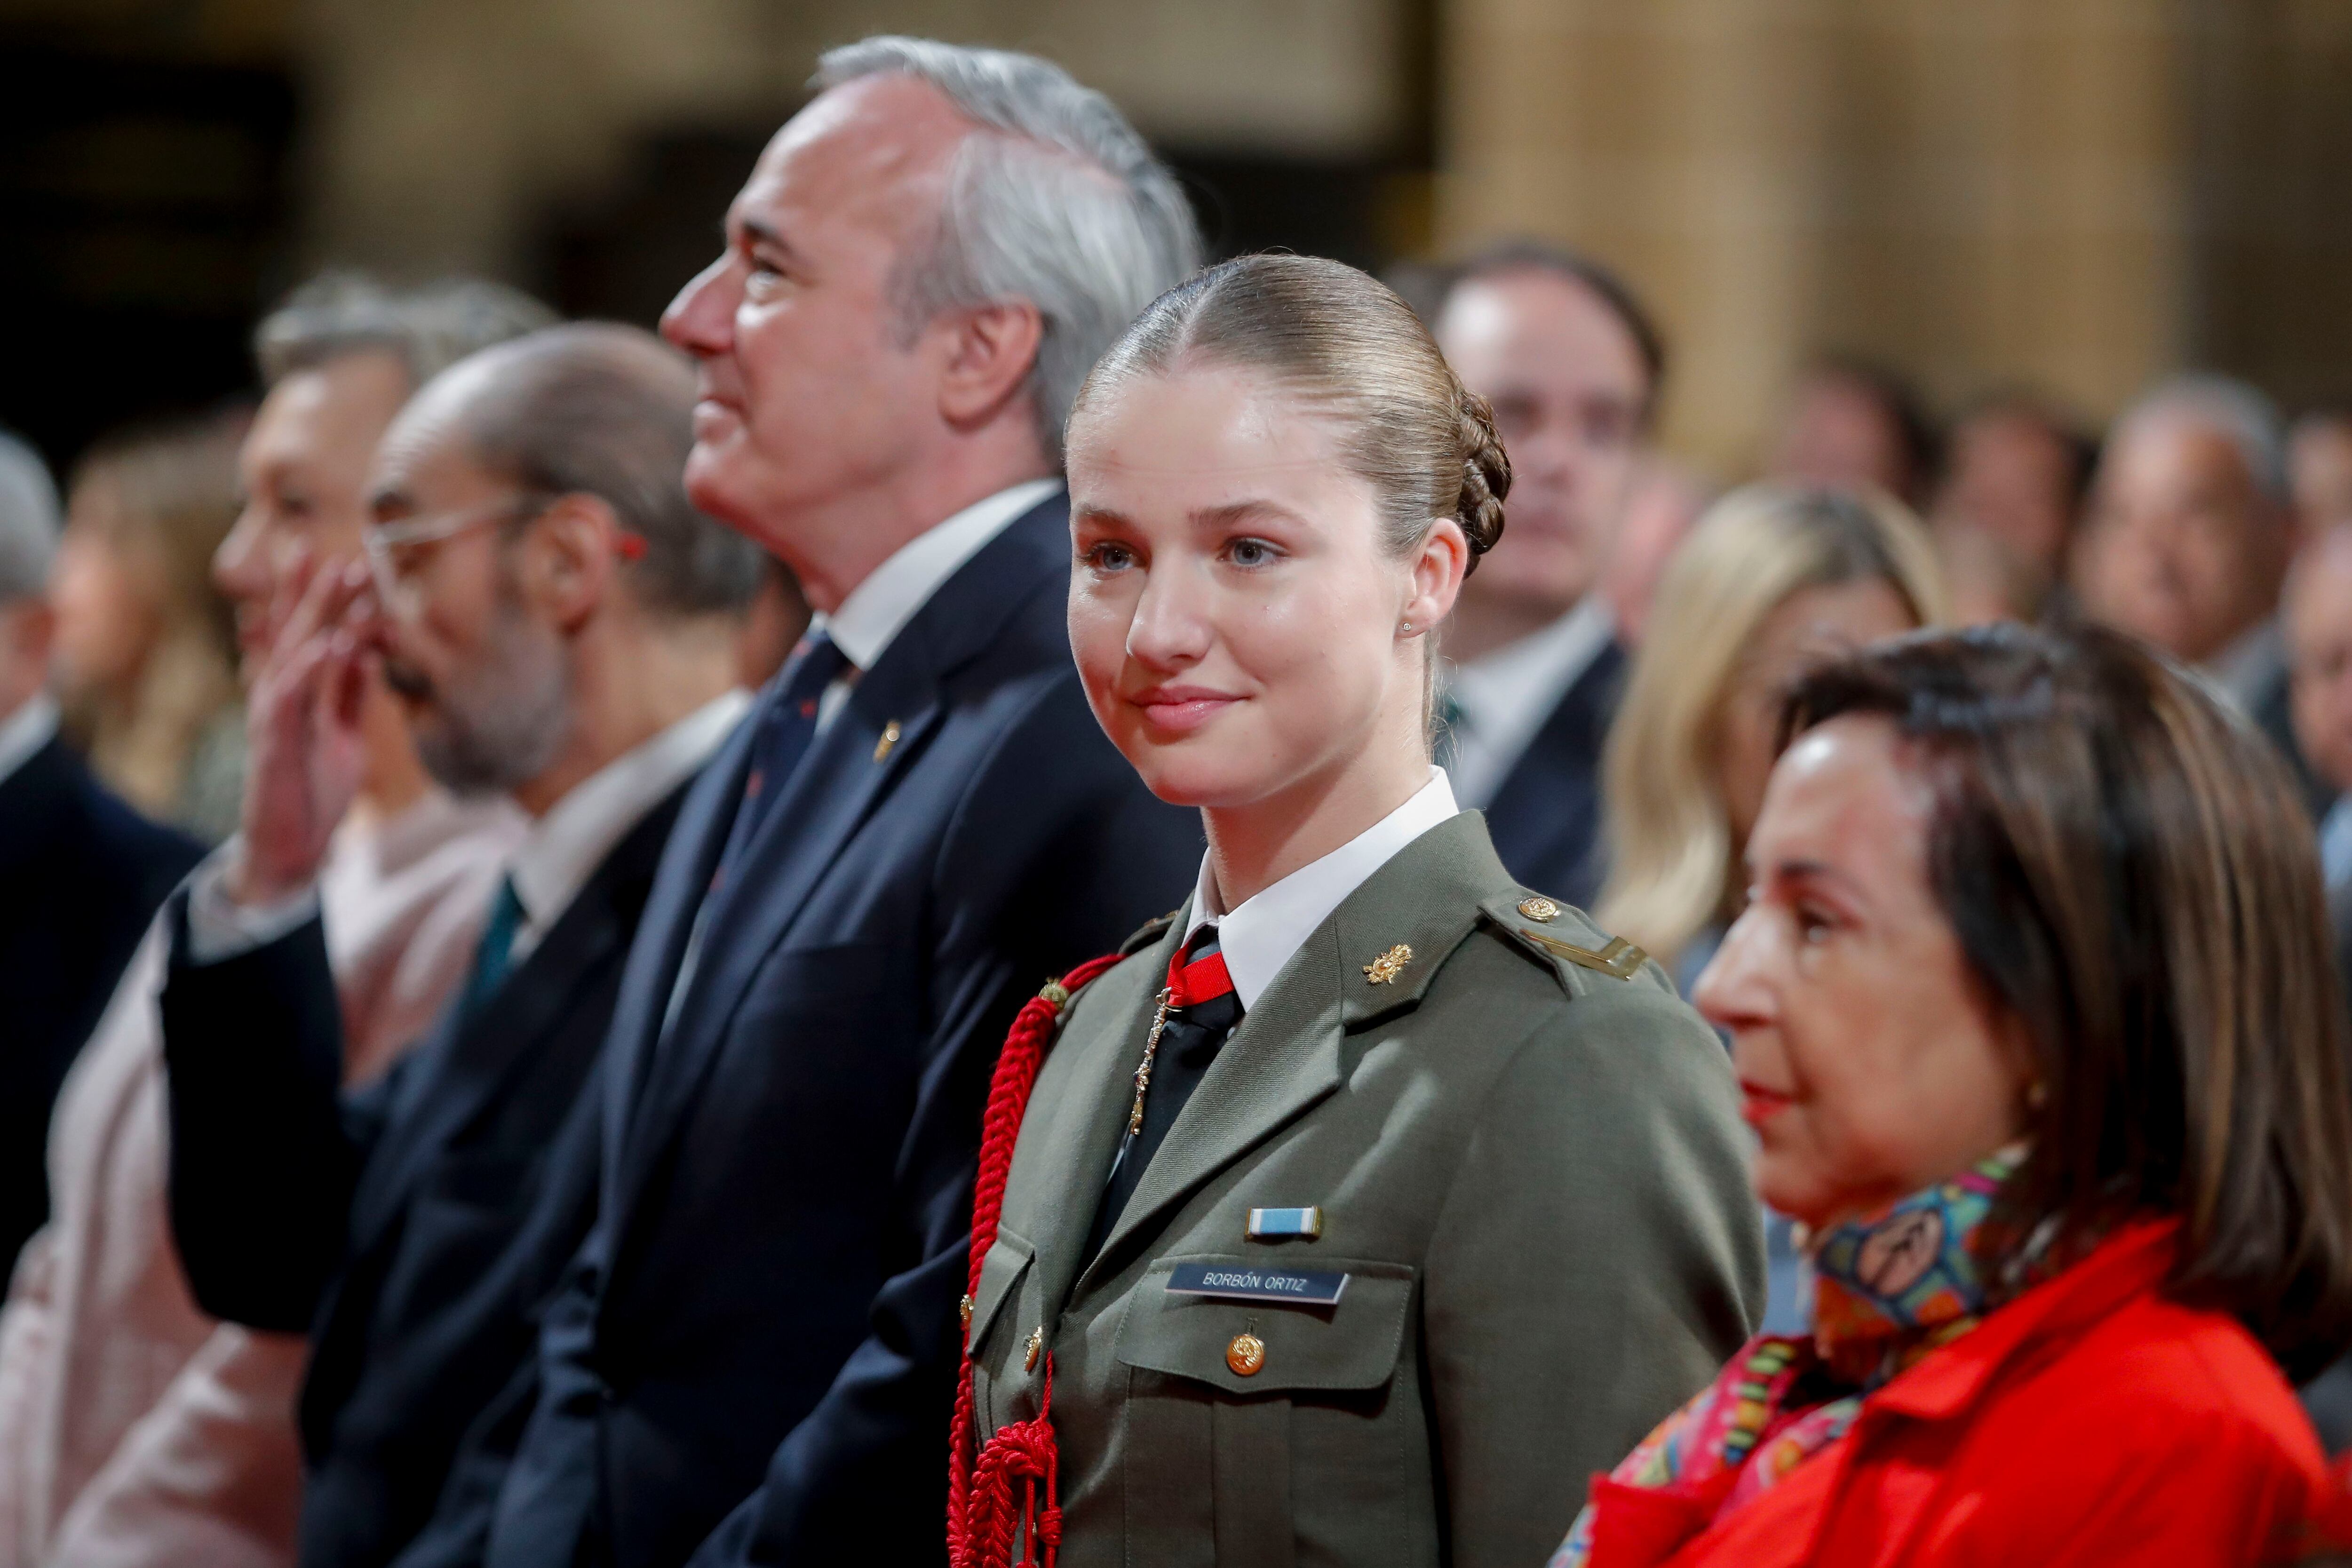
1546 819
766 1301
414 1229
80 876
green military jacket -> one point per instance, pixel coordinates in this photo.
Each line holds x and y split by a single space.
1530 1166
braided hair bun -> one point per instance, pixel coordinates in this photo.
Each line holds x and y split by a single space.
1486 473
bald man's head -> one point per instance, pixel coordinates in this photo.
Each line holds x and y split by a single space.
592 408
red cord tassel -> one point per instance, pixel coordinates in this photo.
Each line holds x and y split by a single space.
981 1515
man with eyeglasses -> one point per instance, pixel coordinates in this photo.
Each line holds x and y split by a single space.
557 624
132 1422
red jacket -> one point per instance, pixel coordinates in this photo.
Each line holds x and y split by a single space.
2089 1422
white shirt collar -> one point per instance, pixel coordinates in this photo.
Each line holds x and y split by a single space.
2253 658
1259 938
878 609
1502 698
26 731
564 847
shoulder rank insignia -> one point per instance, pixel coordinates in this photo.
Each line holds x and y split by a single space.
1388 965
1621 959
1151 930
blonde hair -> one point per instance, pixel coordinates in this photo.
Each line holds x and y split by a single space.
1670 836
165 497
1344 340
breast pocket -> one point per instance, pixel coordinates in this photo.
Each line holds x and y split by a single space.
1289 1418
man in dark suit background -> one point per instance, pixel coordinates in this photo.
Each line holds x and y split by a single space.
80 872
1571 363
557 622
921 823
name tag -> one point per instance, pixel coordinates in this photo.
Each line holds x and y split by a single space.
1235 1283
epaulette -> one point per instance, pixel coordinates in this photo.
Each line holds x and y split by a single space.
1565 937
1151 932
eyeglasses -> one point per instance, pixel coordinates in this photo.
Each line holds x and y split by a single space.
397 552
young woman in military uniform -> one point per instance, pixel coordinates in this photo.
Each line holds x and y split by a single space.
1368 1203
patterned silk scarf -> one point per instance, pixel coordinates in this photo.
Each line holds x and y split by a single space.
1889 1289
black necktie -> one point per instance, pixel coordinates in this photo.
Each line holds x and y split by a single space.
1204 1010
787 725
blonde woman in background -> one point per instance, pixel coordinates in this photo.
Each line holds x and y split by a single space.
145 645
1772 578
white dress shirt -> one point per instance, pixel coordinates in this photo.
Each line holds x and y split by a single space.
878 609
559 852
868 621
1500 700
564 847
1258 938
25 731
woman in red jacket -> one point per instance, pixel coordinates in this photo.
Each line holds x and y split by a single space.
2033 1012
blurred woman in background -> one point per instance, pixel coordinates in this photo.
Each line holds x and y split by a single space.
2033 1009
1773 576
145 645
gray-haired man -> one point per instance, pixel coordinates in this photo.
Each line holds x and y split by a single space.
557 624
921 823
2191 529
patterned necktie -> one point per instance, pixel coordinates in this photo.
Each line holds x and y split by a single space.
1203 1010
494 954
787 725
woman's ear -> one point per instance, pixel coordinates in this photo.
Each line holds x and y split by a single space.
1439 564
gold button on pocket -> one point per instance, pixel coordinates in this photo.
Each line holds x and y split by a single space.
1246 1354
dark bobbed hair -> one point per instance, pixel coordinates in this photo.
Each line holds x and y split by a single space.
2129 872
1432 288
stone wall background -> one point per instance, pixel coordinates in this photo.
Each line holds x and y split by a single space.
2074 193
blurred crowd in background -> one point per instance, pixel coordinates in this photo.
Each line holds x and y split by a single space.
1610 686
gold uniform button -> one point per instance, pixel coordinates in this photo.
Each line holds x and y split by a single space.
1036 1347
1540 908
1245 1355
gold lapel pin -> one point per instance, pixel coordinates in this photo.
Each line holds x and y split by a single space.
1540 908
1388 965
889 739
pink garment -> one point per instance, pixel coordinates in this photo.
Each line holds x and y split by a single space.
133 1429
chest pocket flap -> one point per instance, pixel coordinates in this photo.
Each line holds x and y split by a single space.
1350 1345
1000 1274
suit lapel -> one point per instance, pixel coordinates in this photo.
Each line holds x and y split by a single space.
1283 1058
842 779
1570 738
691 857
1287 1054
464 1068
1075 1146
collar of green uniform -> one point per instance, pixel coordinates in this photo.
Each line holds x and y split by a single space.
1396 930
